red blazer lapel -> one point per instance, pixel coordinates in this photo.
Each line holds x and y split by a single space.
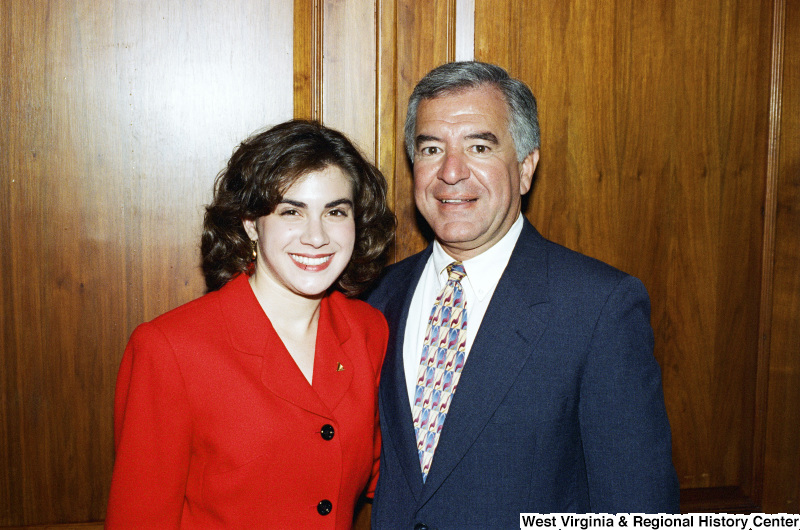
333 368
251 332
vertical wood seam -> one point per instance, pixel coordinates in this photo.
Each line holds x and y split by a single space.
452 10
386 81
317 101
768 247
308 42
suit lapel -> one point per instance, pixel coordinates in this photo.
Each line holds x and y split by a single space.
516 318
398 425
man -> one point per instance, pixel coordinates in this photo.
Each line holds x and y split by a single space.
519 375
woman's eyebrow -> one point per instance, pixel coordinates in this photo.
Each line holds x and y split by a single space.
338 202
300 204
297 204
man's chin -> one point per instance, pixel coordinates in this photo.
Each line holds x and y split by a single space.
456 233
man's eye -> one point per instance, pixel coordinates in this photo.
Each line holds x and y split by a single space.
480 149
430 150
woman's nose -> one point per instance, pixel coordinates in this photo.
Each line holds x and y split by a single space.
314 234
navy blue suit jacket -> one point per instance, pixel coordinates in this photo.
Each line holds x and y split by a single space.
559 407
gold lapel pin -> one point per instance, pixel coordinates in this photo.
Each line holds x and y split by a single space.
339 368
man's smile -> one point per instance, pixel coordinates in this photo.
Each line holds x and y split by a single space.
456 201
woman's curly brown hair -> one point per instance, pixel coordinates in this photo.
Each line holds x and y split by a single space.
260 171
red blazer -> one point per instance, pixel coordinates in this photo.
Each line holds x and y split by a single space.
216 427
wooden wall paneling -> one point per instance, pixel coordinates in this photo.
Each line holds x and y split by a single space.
387 117
425 39
307 68
349 71
9 408
335 67
768 245
117 116
735 101
654 134
59 238
782 442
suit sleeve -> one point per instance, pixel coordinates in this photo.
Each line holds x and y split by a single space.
152 433
624 427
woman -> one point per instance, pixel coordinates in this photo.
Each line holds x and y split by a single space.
255 406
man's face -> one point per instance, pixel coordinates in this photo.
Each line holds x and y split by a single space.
467 182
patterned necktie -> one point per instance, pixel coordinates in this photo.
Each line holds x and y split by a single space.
443 356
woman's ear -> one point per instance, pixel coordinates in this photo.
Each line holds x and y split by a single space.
250 228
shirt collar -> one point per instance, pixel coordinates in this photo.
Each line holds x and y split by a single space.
485 269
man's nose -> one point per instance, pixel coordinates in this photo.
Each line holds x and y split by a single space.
454 168
315 234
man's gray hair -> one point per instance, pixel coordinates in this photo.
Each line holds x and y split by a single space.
455 77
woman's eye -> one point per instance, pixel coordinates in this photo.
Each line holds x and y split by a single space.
290 211
339 212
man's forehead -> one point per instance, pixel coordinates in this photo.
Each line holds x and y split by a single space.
488 94
479 110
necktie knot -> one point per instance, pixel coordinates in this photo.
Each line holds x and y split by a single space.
455 271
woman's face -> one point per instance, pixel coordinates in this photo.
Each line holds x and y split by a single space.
306 243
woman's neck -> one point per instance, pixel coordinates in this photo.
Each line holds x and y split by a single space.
294 318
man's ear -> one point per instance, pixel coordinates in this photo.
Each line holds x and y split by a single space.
250 228
526 169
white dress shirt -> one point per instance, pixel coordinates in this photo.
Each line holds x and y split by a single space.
483 274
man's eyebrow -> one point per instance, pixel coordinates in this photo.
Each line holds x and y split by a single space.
426 138
488 136
484 135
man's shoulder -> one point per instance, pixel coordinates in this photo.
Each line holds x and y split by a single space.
571 276
395 278
406 265
574 263
565 262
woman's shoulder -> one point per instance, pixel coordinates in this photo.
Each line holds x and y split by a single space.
199 308
205 308
184 324
203 315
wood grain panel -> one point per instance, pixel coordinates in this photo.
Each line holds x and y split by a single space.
116 117
654 134
349 71
425 39
308 36
387 106
782 451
